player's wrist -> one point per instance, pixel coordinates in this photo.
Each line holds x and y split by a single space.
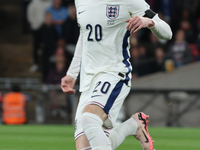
151 23
71 75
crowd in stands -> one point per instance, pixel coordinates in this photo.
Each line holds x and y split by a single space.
149 54
55 31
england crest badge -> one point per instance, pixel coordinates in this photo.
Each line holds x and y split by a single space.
112 11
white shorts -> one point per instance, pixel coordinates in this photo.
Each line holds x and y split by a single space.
106 91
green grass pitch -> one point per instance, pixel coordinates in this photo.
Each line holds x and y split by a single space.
60 137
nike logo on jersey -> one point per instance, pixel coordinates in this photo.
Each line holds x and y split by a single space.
81 12
147 140
95 96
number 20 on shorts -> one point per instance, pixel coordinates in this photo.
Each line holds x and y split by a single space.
104 88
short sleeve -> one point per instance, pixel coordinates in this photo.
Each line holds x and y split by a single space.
138 7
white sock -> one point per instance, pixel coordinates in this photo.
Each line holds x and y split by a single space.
92 127
119 133
87 148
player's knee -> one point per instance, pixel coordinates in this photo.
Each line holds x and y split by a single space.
97 110
85 120
90 120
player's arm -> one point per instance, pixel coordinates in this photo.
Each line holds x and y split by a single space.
68 82
146 18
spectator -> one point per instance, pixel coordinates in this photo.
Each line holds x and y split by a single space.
144 68
49 38
61 105
55 75
134 62
71 30
60 43
49 34
194 52
158 65
140 65
14 107
68 53
191 5
165 7
35 17
60 52
134 40
153 44
59 15
189 26
179 50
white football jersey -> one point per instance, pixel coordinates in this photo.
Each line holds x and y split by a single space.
105 37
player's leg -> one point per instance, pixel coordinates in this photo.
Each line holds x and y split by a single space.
82 143
142 133
80 138
137 125
92 120
104 92
109 97
118 134
116 137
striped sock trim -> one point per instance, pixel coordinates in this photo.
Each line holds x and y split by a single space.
87 148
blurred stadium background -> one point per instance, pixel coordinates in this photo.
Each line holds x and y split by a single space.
36 48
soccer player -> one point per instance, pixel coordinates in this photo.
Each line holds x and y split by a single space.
102 55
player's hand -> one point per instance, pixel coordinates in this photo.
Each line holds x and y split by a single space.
67 84
136 23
